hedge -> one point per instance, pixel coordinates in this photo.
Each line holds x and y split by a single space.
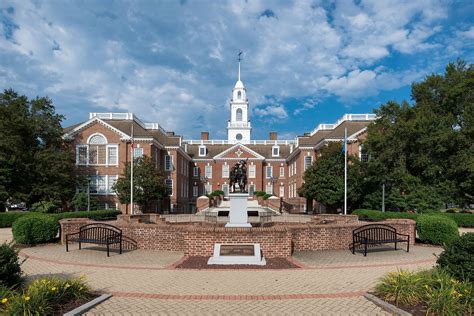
436 230
35 229
462 219
7 219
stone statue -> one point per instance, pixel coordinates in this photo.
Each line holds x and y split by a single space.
238 175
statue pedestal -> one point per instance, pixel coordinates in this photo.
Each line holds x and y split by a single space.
238 210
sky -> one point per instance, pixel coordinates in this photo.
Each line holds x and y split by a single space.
175 62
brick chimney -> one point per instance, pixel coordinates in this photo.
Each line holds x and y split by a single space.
273 135
204 135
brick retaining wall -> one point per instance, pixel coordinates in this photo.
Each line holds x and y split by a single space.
276 241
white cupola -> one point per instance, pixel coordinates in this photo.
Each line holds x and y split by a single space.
238 127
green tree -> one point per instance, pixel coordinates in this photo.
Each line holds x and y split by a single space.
148 183
36 163
424 152
324 180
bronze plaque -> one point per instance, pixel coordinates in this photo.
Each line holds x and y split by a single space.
237 250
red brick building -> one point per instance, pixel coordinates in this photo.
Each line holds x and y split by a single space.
196 167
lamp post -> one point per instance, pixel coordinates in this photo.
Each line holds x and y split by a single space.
273 180
88 193
383 196
204 180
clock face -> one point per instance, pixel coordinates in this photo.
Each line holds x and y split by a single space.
238 136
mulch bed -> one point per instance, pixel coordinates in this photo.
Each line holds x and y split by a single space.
200 263
67 307
417 310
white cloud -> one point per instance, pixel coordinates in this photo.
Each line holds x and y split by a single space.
272 112
174 63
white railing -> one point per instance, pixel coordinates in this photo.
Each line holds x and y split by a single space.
128 116
231 142
239 124
346 117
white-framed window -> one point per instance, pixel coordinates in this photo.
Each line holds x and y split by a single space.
169 184
196 171
275 151
268 171
251 189
252 172
282 191
225 171
137 152
208 171
308 161
98 184
207 188
112 155
225 188
82 154
294 167
110 183
202 151
363 155
195 191
168 163
282 172
269 188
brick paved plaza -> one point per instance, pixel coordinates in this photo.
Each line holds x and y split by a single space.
145 282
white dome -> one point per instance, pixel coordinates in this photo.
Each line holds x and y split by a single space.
239 85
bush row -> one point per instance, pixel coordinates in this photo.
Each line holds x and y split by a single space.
40 228
7 219
462 219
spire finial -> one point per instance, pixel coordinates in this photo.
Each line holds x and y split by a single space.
239 59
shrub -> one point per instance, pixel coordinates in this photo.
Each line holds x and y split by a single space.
266 196
35 229
218 192
45 207
436 289
436 230
462 219
10 270
260 193
7 219
96 215
458 258
45 296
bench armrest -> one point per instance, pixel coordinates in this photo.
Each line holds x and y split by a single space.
72 234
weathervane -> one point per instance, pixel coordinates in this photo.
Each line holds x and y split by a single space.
240 54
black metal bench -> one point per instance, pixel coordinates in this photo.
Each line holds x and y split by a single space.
377 234
97 233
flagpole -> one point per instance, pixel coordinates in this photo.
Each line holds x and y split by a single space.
345 171
131 175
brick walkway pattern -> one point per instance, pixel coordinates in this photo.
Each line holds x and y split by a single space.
145 282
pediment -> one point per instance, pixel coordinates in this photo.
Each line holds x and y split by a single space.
239 151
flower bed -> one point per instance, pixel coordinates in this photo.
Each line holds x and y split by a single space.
432 292
46 296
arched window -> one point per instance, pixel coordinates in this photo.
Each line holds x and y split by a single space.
239 115
239 95
97 150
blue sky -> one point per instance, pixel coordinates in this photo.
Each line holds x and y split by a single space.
174 62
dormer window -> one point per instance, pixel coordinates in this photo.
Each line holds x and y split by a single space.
239 95
202 151
275 151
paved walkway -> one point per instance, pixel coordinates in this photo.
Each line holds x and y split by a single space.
145 282
6 235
